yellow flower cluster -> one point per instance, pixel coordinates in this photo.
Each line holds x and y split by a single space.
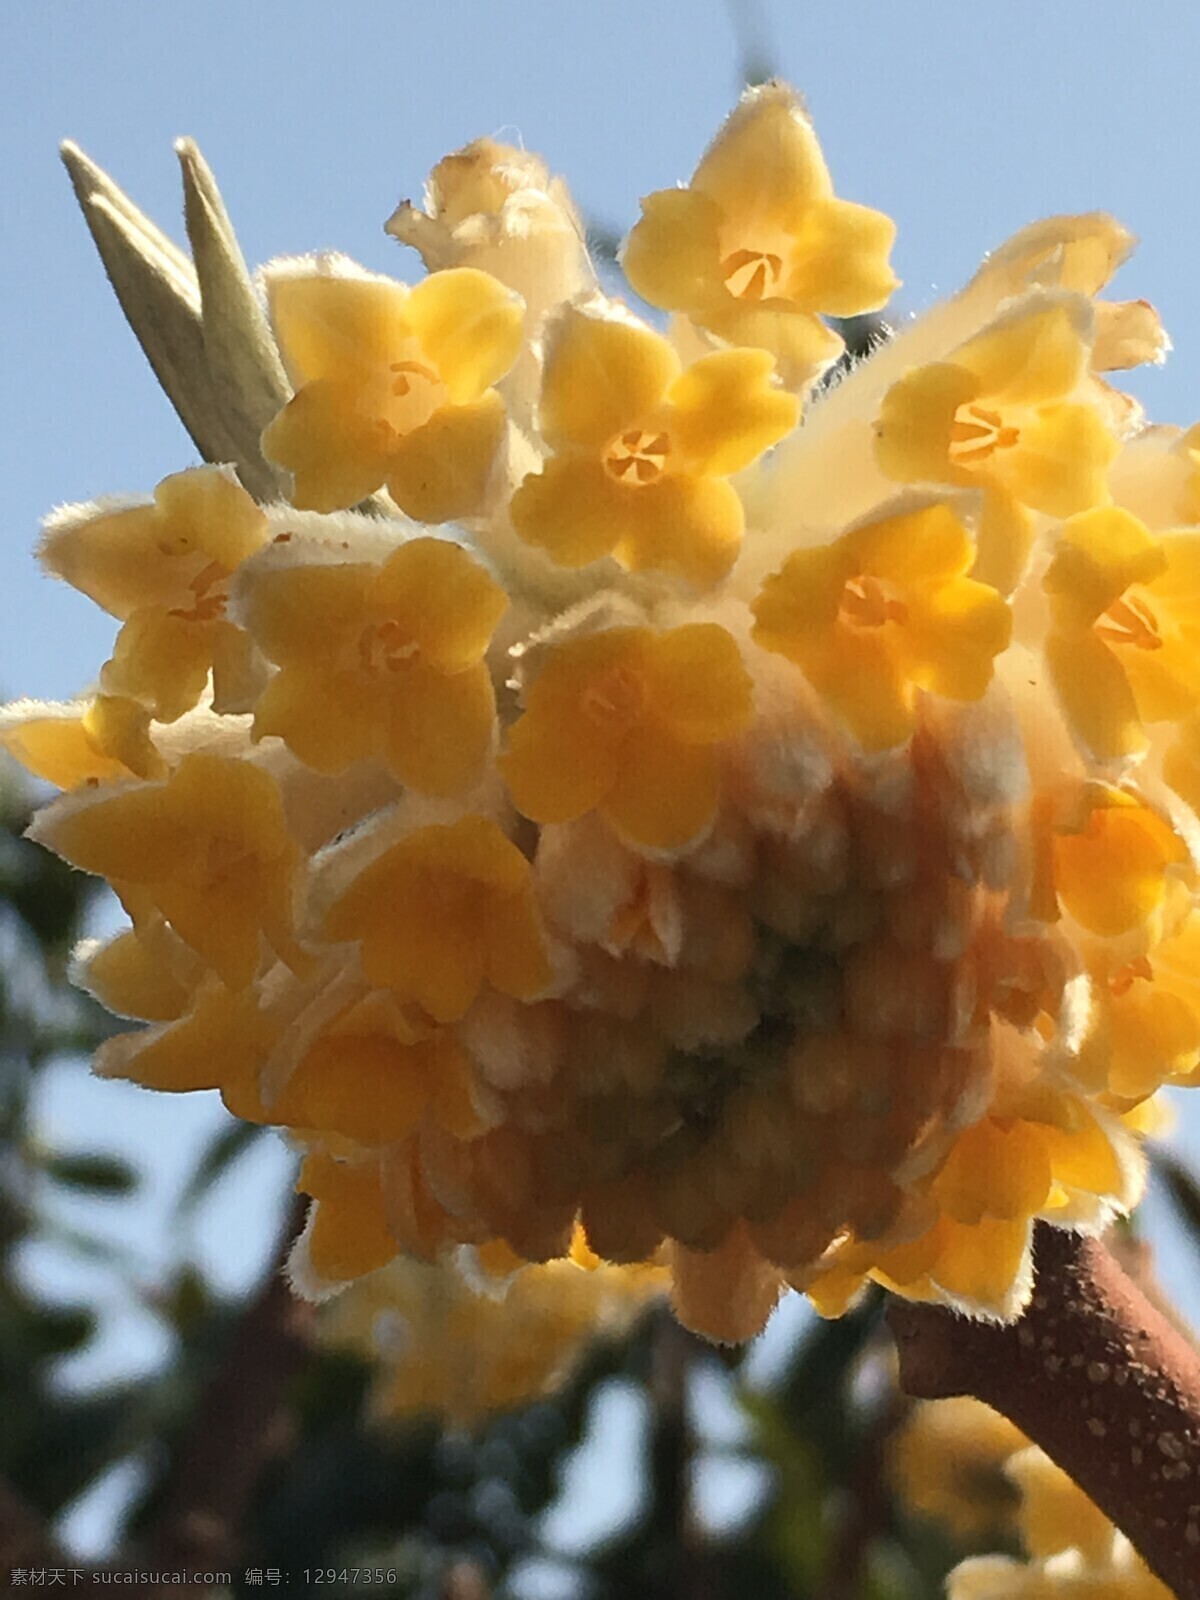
961 1464
643 782
483 1331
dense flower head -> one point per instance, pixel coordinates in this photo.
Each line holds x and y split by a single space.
638 803
482 1330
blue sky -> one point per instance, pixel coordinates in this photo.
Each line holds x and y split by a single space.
963 122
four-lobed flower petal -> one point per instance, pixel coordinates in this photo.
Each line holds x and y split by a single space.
885 612
393 385
380 659
1011 410
757 245
630 722
208 850
1124 643
643 449
164 569
446 910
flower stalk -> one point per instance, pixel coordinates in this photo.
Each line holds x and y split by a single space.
1094 1374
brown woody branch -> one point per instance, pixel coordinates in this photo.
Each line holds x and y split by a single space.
1097 1377
237 1428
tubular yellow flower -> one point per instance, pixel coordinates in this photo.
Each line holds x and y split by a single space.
1009 411
380 660
1073 1550
484 1331
1124 870
362 1082
347 1234
643 449
393 385
629 721
757 245
208 850
885 612
164 569
1124 646
70 745
444 911
946 1464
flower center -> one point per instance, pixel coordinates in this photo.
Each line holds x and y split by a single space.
208 595
386 647
418 393
978 432
1130 620
638 456
867 604
1121 982
614 700
222 858
752 274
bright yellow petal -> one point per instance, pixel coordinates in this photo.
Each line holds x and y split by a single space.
765 164
952 638
305 614
602 376
557 768
1082 1154
690 527
996 1169
1111 876
205 511
220 1041
440 471
1033 356
125 560
1099 554
469 326
121 729
349 1235
444 599
369 1088
220 918
67 751
1095 694
334 442
1004 541
914 548
673 255
801 343
329 720
980 1264
802 599
516 959
697 684
337 327
839 260
863 680
161 659
913 430
429 955
127 979
1061 463
132 837
573 509
725 411
225 798
666 793
439 728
